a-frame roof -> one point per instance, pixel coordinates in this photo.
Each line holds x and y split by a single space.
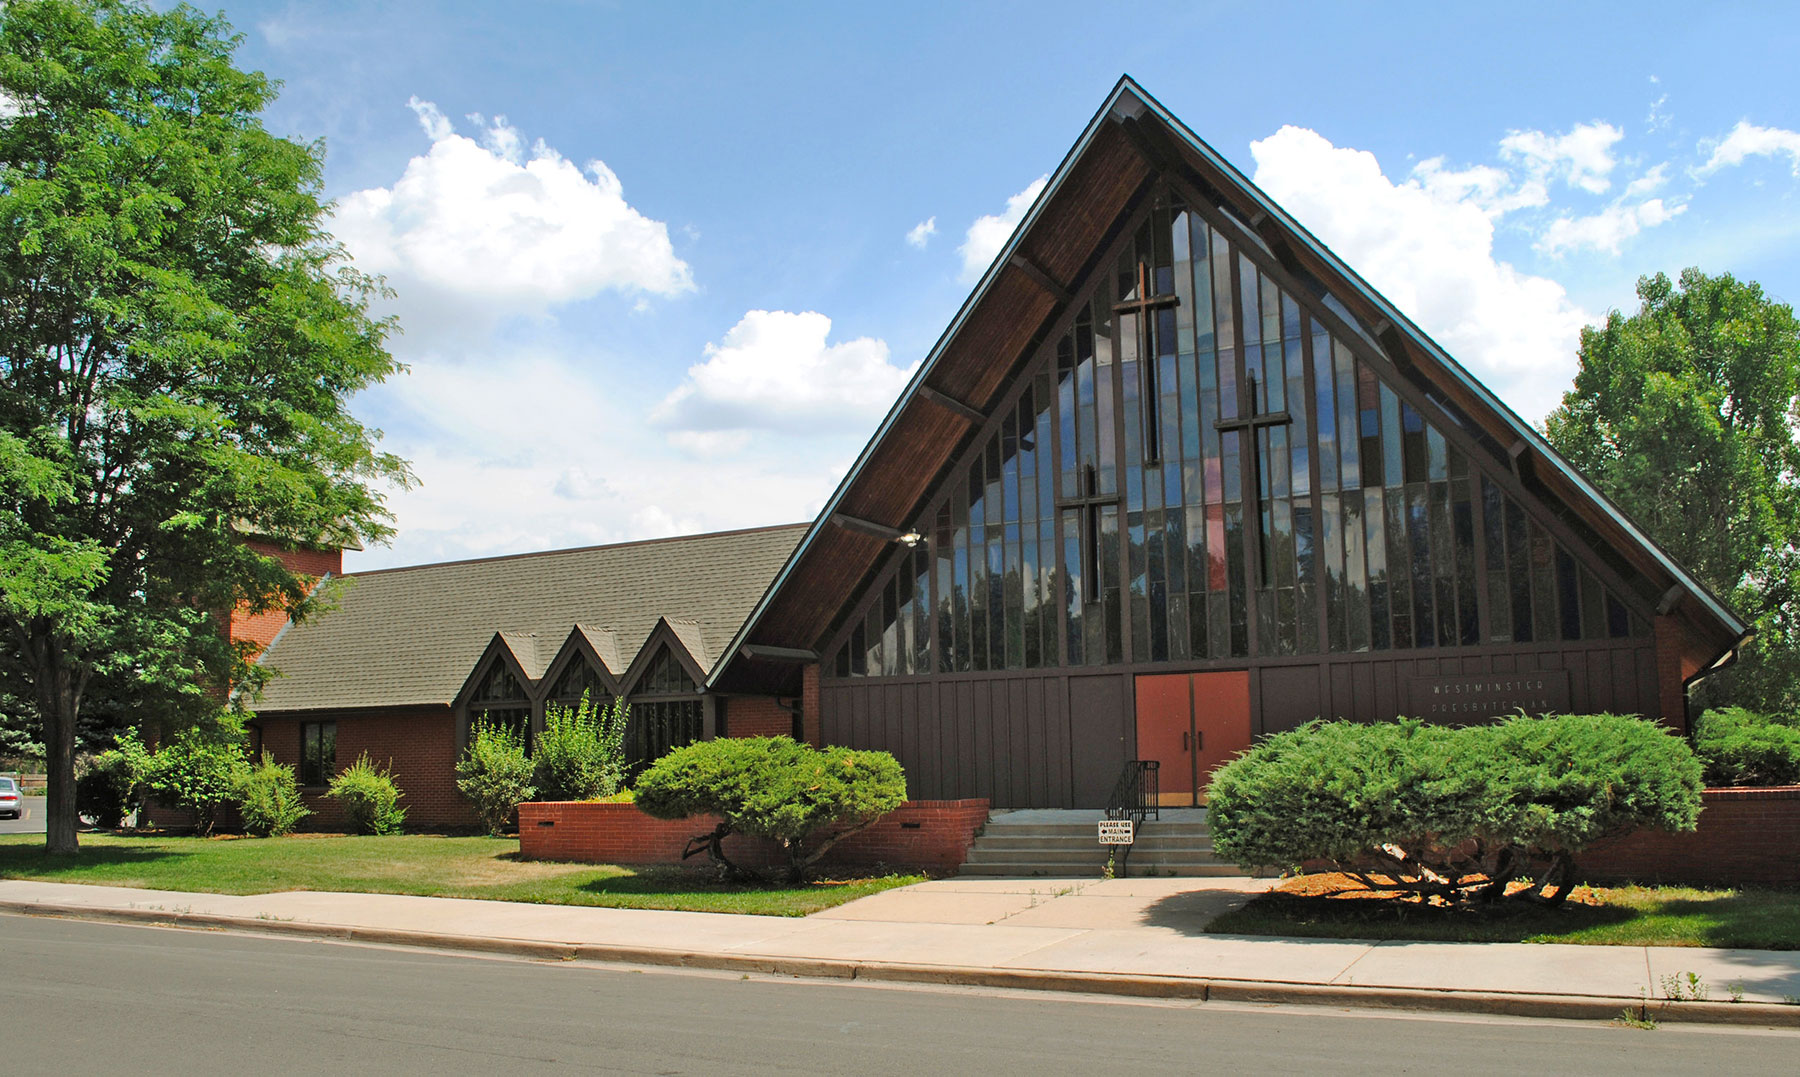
1132 147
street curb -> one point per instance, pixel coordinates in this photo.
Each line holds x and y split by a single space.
1200 989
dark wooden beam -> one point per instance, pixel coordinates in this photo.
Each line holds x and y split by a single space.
1670 599
867 527
952 405
1040 278
766 653
1147 147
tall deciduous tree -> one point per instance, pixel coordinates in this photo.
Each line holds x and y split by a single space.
179 338
1684 413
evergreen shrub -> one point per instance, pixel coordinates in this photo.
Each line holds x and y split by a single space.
805 799
271 799
495 774
1452 815
370 798
580 754
1741 747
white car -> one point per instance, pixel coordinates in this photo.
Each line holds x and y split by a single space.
10 805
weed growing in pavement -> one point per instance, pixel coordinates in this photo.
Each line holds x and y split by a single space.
1637 1017
1736 990
1684 987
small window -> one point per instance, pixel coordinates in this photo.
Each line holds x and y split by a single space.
318 752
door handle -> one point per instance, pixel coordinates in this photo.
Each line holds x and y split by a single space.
1186 737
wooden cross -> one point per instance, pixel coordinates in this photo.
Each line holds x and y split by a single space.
1251 424
1090 503
1150 395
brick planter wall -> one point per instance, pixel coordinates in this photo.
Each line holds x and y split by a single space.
933 835
1746 837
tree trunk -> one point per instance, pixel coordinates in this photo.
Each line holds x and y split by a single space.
59 705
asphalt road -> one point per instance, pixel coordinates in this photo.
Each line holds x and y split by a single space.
102 998
31 822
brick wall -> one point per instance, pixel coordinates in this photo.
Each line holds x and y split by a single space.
809 703
756 716
1746 837
933 835
422 751
261 628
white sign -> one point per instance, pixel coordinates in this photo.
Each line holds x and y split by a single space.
1116 832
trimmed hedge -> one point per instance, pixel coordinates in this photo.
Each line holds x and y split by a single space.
805 799
1452 814
1740 747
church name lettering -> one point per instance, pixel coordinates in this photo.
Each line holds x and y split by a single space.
1538 692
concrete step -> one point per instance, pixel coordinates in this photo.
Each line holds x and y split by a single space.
1197 844
1137 868
1050 856
1071 831
1049 843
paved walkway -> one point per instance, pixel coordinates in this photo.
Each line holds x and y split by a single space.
1131 936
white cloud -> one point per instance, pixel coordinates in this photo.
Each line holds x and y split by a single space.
1606 230
921 233
1582 157
988 234
1748 140
1653 180
775 370
484 230
532 449
1430 249
1493 189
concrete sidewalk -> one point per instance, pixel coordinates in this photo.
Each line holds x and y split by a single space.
1123 936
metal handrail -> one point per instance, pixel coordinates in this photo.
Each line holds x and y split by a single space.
1135 794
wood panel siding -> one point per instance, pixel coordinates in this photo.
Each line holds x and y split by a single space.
1008 738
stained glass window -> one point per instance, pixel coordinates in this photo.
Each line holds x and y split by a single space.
1201 465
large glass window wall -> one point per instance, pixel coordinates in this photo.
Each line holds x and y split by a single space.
1200 468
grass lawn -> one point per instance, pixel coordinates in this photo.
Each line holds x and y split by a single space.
423 864
1598 916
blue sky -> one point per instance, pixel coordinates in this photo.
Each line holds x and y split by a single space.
677 285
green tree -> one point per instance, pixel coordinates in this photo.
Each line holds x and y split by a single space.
802 798
1683 414
179 339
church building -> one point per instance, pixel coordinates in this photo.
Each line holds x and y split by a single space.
1173 478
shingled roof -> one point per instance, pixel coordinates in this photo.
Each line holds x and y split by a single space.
411 636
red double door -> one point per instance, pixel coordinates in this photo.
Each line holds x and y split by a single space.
1191 723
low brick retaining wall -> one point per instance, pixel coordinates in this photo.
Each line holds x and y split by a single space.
932 835
1746 836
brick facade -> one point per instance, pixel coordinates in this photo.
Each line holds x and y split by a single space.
420 748
1746 837
933 835
756 716
262 628
809 703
